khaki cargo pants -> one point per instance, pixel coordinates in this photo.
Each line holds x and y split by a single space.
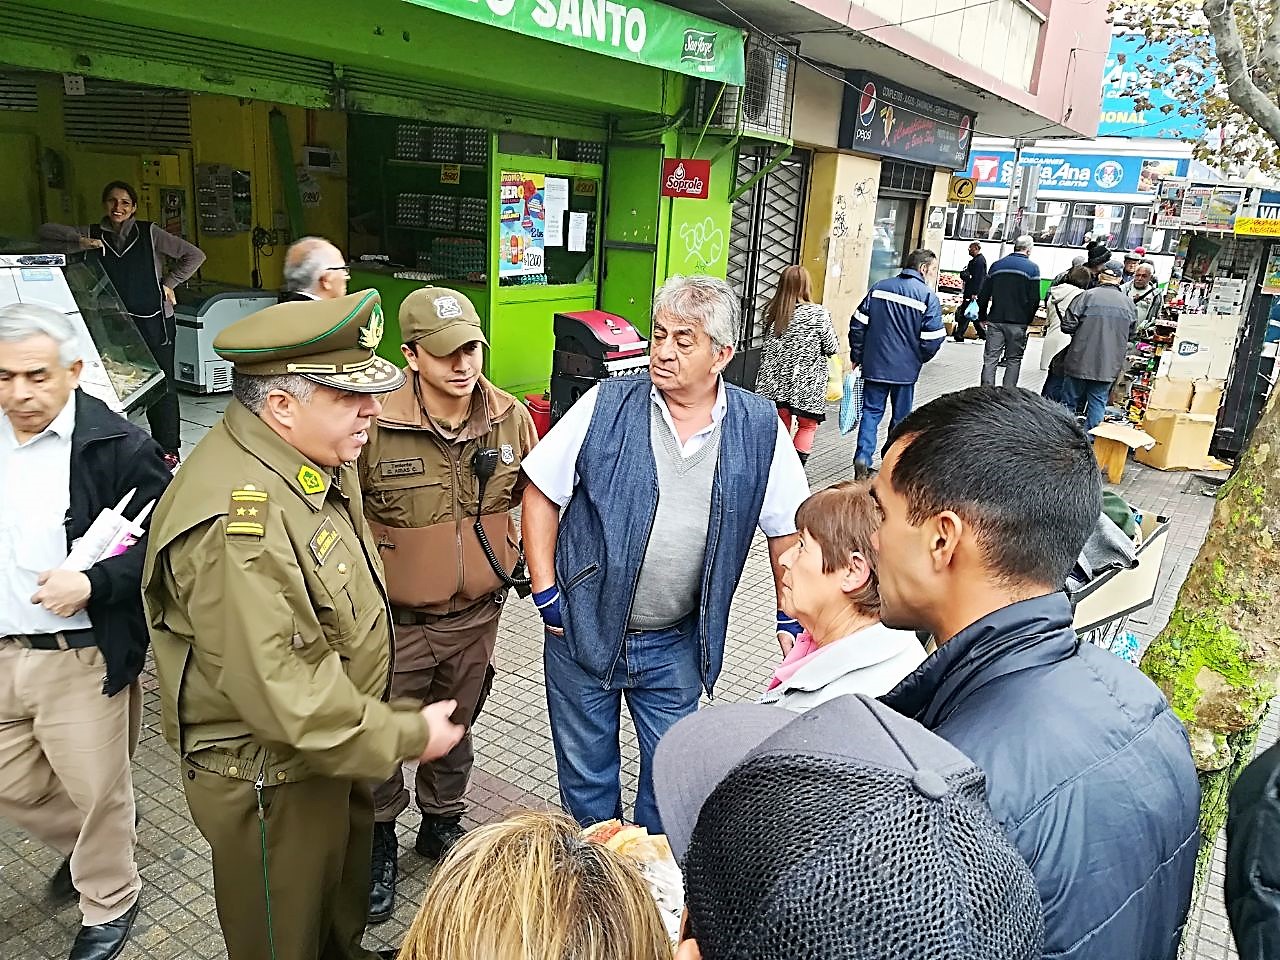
64 769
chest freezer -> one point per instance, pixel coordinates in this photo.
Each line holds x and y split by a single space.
203 312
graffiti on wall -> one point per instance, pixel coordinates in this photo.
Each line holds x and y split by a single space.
703 243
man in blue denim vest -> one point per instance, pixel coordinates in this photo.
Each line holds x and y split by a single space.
662 480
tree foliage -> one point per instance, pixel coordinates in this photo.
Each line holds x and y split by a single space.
1223 62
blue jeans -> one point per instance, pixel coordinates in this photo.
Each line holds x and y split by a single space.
1052 389
1094 392
659 674
874 397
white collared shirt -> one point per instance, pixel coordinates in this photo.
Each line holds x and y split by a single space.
552 464
35 489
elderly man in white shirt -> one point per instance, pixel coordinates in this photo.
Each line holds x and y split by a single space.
662 479
72 641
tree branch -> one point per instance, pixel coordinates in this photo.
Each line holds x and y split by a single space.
1241 89
1270 59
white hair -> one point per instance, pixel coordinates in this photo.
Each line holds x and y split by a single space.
21 321
305 262
1024 242
708 300
252 390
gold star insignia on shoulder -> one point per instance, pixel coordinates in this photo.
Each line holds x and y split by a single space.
371 332
247 503
310 480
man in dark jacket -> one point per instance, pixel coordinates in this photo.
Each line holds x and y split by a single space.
1100 321
987 496
895 331
314 269
67 729
1007 305
1253 859
974 275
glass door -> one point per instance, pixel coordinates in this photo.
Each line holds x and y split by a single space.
895 226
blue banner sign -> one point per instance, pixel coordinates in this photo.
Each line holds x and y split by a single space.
1076 173
1120 115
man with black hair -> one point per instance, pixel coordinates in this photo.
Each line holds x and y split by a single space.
987 497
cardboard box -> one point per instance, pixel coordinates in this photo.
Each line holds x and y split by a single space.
1207 397
1202 348
1182 440
1168 393
1122 592
1112 443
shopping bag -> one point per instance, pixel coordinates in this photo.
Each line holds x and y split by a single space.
851 402
971 310
835 387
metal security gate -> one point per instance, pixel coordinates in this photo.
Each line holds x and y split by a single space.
764 238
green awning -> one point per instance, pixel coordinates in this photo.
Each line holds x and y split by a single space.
640 31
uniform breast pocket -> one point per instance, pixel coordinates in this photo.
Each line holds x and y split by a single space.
347 596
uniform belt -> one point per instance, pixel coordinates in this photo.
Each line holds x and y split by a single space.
408 617
64 640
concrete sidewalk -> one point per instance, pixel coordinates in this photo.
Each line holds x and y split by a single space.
515 768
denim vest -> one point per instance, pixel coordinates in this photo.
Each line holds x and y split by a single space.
606 527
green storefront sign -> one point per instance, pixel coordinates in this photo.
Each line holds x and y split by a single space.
640 31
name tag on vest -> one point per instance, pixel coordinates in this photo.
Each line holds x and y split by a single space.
402 468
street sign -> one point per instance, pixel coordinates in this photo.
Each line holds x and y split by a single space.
961 190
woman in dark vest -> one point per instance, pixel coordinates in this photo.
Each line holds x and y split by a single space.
134 254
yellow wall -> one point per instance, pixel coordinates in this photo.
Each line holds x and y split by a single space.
223 130
937 198
839 231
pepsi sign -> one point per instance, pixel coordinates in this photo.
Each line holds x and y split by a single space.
884 118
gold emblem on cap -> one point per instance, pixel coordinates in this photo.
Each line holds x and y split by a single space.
310 480
371 332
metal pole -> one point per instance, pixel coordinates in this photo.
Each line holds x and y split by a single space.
1007 234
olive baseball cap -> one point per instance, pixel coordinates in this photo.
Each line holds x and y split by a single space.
440 320
330 342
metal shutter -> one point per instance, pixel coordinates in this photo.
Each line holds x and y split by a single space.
18 94
124 114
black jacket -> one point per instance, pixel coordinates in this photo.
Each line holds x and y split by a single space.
1011 291
109 457
1253 859
974 275
1088 770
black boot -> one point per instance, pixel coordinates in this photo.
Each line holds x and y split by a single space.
804 457
60 885
382 873
438 835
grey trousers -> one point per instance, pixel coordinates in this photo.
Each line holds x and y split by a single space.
1011 339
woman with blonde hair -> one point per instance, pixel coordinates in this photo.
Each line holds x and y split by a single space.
531 888
829 584
798 339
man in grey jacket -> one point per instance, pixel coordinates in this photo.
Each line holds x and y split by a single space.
1100 322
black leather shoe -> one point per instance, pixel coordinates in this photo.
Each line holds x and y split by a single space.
105 940
382 873
438 835
60 885
388 954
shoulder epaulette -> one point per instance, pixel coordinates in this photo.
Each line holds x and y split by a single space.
247 515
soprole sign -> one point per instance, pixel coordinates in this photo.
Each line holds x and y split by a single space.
641 31
690 179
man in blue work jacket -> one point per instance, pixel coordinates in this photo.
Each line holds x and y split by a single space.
895 331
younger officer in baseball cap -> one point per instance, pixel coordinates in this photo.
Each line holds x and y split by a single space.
849 832
440 475
269 619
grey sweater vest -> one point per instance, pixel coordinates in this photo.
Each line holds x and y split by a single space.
668 587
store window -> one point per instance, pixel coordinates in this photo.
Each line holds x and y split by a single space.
895 228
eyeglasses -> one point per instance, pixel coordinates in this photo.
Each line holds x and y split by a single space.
344 268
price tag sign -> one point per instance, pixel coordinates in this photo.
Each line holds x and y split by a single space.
450 173
585 188
533 260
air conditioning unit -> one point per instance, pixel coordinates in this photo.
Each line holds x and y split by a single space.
764 103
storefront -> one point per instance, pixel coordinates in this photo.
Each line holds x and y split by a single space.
494 147
884 192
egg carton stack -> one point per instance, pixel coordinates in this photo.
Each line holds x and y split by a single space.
458 257
442 212
411 210
473 214
475 146
446 144
411 140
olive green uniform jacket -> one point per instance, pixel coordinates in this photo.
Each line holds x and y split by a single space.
268 616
